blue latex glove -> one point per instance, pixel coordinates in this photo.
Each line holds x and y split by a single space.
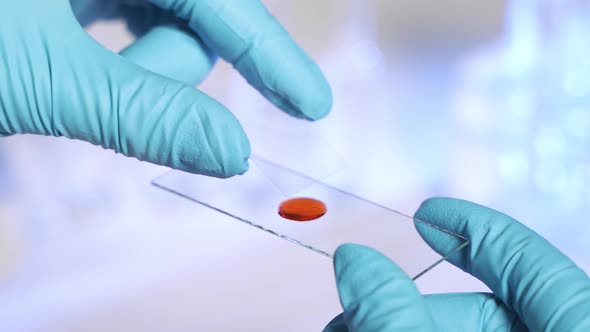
535 286
56 80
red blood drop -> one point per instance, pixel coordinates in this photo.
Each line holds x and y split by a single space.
302 209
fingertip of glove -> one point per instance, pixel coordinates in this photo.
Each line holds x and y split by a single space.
310 100
288 78
210 141
317 105
231 169
438 211
235 160
350 254
432 205
454 214
354 263
365 278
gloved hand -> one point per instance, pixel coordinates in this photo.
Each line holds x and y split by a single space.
535 287
56 80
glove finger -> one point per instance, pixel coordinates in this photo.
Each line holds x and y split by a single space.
106 99
245 34
172 52
472 312
376 294
461 312
543 286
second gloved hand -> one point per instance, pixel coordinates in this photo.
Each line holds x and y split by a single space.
56 80
535 287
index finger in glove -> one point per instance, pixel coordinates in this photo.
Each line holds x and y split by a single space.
245 34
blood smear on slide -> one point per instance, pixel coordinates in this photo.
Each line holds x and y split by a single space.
302 209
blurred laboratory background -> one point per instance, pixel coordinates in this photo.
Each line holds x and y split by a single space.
487 101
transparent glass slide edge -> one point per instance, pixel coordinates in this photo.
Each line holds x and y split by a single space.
295 144
253 199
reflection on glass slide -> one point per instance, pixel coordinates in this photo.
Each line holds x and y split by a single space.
332 216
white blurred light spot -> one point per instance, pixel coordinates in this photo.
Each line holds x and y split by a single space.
577 122
550 143
576 83
570 200
473 173
520 103
577 185
474 111
580 177
366 56
551 178
514 166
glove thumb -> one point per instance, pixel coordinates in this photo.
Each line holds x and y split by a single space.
376 294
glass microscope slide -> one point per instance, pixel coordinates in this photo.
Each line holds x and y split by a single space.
253 198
